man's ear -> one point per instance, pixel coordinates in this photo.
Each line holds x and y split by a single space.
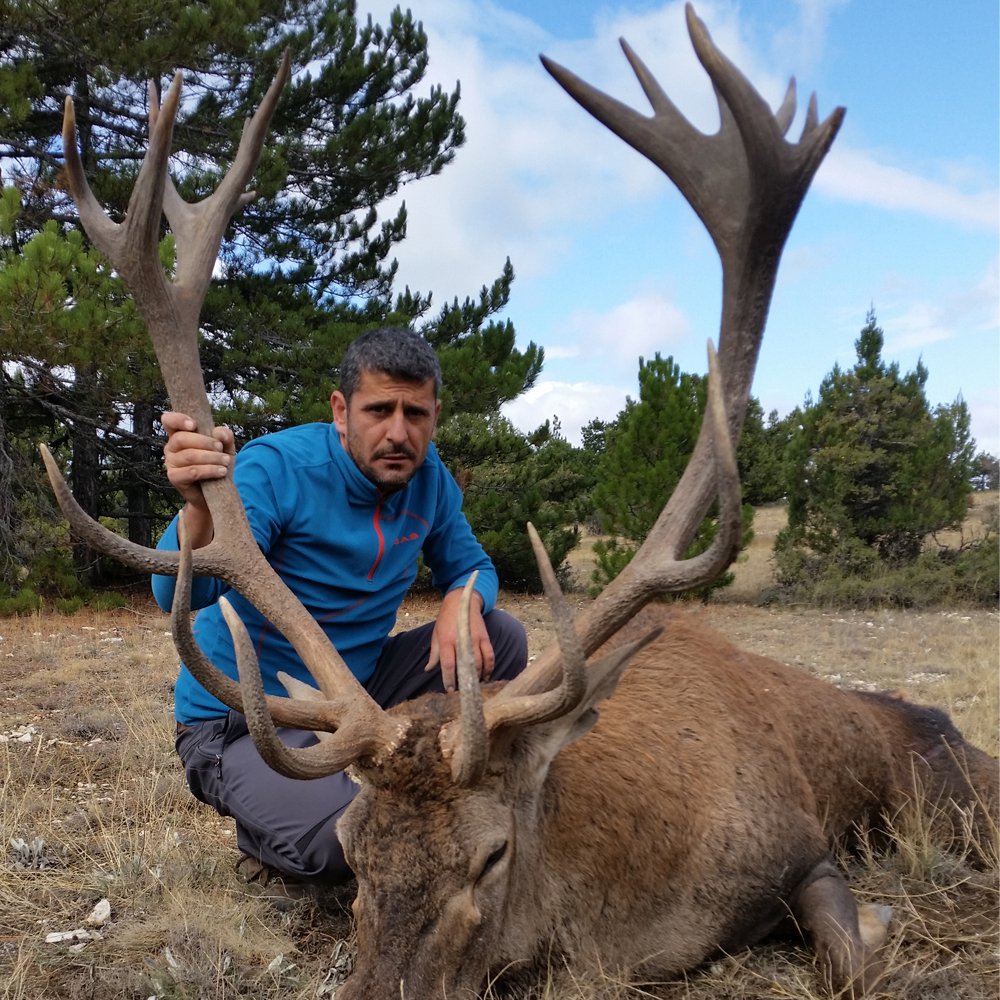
338 403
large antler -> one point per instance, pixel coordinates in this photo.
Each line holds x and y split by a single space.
171 307
746 183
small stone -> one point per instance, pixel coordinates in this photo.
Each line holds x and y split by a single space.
99 915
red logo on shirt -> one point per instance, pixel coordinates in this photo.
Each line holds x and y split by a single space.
411 537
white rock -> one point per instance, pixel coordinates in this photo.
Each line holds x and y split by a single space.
99 915
80 934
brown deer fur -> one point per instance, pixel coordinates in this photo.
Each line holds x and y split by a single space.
696 816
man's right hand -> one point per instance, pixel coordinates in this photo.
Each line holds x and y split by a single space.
190 458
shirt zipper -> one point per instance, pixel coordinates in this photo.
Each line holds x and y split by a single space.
376 521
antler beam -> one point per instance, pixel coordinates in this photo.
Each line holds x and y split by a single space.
746 183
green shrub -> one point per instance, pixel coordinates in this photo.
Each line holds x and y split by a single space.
852 576
68 605
508 479
23 602
109 600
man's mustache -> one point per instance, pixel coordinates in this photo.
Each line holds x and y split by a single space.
399 452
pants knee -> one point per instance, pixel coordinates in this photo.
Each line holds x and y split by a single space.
510 644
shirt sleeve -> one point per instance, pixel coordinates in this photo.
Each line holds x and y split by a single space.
452 552
254 475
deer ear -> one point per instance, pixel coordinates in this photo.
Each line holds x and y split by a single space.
538 744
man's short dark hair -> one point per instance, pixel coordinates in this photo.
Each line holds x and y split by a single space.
393 350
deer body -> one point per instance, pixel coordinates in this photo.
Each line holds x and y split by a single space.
685 823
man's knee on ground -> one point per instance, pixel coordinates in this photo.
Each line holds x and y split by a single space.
510 644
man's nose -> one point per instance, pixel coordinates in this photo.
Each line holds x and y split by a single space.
396 429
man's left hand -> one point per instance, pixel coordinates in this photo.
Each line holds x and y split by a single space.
444 639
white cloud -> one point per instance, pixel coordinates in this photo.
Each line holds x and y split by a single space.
856 176
803 43
614 340
606 345
576 404
922 324
972 309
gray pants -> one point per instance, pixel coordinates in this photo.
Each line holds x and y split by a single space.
290 824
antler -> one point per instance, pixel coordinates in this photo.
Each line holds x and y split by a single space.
171 307
746 183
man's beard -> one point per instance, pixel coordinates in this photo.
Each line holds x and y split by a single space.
396 481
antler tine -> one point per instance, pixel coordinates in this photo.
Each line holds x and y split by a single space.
674 574
199 228
667 128
566 695
468 744
96 535
786 113
370 736
467 767
130 245
812 116
94 219
760 129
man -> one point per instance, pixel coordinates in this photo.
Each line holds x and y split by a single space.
342 512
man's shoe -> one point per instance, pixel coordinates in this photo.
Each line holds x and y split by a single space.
282 891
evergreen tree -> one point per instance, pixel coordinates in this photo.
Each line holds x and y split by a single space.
302 271
646 452
760 454
873 464
594 436
985 471
509 479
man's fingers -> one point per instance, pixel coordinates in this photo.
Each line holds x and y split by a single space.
448 676
173 421
432 660
487 661
225 437
187 475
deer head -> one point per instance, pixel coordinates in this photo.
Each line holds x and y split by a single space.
445 833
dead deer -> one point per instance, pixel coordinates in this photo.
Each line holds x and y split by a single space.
502 826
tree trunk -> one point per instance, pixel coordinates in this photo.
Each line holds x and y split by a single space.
86 467
140 528
7 555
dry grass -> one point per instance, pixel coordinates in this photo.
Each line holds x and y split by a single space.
94 806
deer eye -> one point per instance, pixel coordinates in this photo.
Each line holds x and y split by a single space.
492 860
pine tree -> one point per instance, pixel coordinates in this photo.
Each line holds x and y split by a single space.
874 464
302 271
645 453
760 455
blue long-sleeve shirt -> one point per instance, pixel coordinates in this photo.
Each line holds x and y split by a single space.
348 552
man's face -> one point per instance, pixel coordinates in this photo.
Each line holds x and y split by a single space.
387 426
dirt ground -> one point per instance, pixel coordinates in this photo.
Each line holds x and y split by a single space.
94 806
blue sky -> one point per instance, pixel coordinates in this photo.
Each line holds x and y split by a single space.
612 264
